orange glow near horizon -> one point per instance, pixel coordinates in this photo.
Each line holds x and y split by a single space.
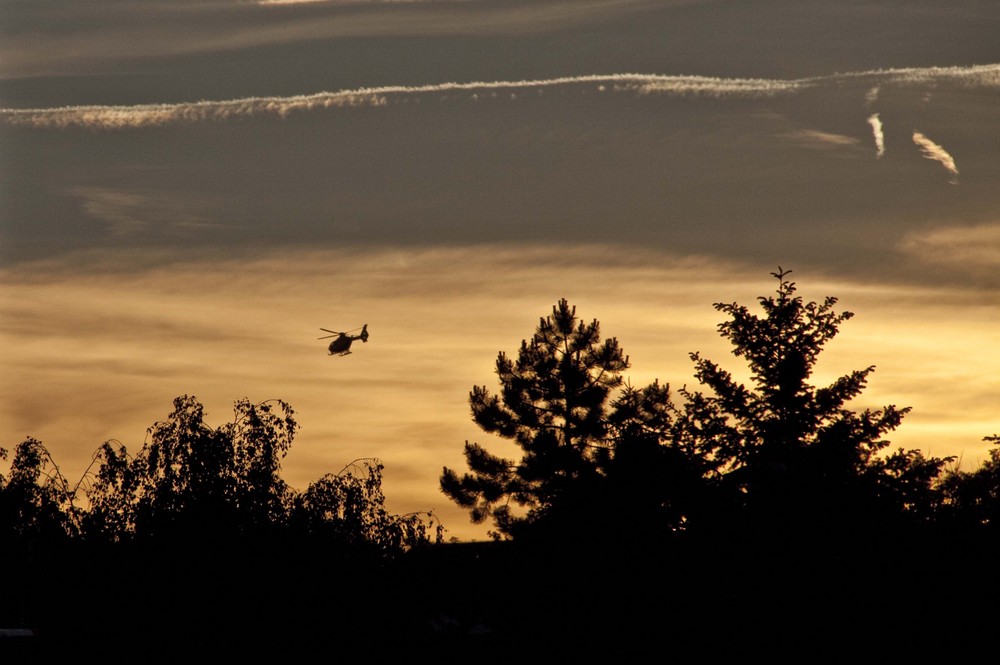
97 354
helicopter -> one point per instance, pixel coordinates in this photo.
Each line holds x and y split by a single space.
341 346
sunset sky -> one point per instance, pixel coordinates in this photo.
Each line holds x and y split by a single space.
192 189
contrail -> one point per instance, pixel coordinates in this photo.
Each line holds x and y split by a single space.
933 151
978 76
151 115
876 124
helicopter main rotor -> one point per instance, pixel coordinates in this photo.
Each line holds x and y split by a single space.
334 333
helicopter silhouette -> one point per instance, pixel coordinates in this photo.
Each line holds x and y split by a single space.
341 346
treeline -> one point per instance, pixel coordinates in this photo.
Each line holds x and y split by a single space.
773 459
632 513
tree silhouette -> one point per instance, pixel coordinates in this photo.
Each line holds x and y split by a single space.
193 479
659 476
196 543
552 404
35 499
792 458
38 525
972 498
347 511
206 547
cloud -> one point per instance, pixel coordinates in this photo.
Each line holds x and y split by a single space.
139 212
814 138
935 152
971 248
876 124
871 95
343 2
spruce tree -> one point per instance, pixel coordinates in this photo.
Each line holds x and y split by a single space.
792 458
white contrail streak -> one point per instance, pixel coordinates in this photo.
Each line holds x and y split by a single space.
150 115
933 151
979 76
876 124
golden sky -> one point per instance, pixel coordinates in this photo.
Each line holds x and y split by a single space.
92 356
191 190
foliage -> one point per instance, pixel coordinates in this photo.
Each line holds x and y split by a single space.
191 478
972 498
35 499
661 480
553 405
788 455
348 509
194 481
191 529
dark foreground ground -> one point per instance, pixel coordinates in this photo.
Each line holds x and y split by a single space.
491 603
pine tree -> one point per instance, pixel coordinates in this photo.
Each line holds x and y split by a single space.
552 403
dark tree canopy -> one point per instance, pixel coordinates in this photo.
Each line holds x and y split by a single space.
743 509
194 479
553 404
35 499
789 455
191 480
971 498
778 455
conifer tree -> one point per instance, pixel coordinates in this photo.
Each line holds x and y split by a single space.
792 456
552 403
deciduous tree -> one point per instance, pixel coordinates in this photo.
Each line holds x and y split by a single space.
190 477
35 499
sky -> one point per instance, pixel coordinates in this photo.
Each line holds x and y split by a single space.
191 190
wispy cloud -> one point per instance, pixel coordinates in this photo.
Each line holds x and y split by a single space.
871 96
974 249
814 138
140 212
932 150
876 124
342 2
